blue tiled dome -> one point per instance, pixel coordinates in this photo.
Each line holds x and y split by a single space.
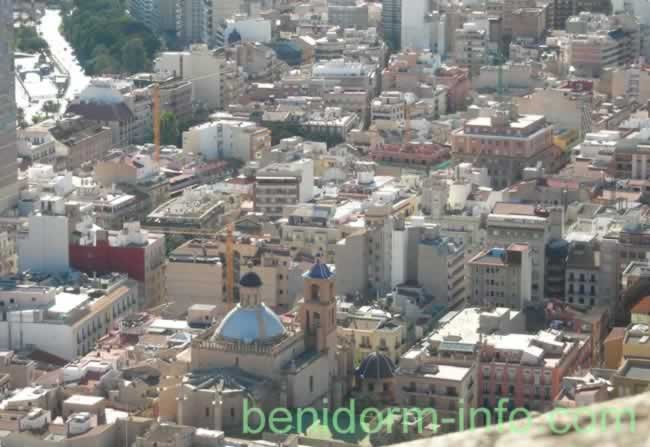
320 270
376 366
250 324
251 280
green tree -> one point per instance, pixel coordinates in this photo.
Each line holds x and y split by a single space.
92 24
28 40
20 118
50 107
134 56
103 62
168 128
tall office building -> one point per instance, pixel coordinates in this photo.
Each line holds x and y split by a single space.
391 20
8 150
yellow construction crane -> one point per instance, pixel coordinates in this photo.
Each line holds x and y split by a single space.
156 121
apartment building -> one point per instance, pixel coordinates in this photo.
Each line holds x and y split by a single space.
8 150
216 81
225 139
632 81
568 106
471 47
194 280
391 21
205 207
591 278
280 184
175 93
528 369
447 388
504 142
42 246
443 369
501 277
595 41
632 156
192 21
387 110
81 140
411 71
36 144
438 265
371 330
66 324
423 28
522 224
457 81
348 13
529 23
157 15
138 253
561 10
313 230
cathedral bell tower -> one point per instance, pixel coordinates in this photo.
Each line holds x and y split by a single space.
318 312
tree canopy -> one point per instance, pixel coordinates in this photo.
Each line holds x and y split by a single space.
106 38
168 129
28 40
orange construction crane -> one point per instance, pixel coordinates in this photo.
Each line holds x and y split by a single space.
156 121
230 268
407 123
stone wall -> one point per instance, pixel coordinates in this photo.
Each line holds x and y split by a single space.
613 426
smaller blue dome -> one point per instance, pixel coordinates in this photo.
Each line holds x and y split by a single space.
320 270
250 280
376 366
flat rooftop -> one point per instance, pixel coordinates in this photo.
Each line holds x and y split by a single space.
637 372
447 372
67 302
80 399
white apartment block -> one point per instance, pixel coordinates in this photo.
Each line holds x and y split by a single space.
66 324
215 80
280 184
218 140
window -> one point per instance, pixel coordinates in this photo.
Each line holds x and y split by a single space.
207 412
311 384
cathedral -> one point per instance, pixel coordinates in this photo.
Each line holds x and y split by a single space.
253 354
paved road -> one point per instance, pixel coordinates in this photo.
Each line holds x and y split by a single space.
44 90
49 29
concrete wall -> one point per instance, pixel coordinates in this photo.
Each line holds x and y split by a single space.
189 283
352 265
45 248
